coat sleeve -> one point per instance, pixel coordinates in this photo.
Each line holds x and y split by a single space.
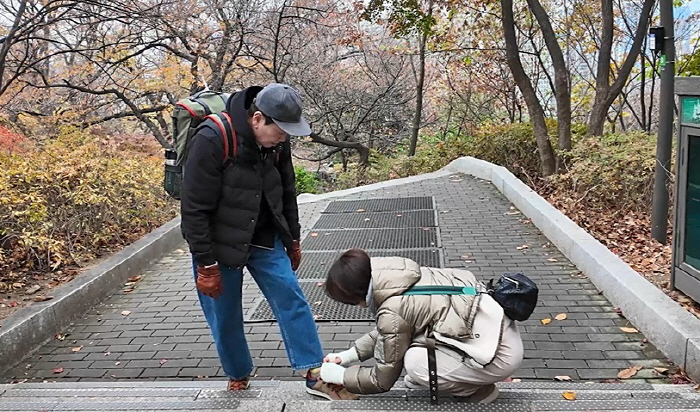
394 336
365 345
201 187
289 194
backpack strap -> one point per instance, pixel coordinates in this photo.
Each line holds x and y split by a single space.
441 290
429 338
228 135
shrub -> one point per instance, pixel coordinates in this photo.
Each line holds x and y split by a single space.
74 199
613 171
306 182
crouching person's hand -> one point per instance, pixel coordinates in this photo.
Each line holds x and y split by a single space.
343 358
332 373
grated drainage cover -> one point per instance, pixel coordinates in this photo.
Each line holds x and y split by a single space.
415 218
404 238
315 265
380 205
322 307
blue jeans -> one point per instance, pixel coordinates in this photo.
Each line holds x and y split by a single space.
273 273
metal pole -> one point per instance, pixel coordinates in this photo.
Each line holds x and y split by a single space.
659 213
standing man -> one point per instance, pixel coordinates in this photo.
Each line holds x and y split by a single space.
242 211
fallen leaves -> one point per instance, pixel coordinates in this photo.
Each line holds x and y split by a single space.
523 247
33 289
314 234
126 312
660 370
360 210
60 337
560 316
629 372
546 321
552 260
42 298
627 329
563 378
163 361
76 349
569 396
57 370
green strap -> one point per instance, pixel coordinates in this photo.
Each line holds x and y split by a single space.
441 290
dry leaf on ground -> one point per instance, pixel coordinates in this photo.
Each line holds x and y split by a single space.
570 396
546 321
57 370
629 372
134 279
628 329
563 378
360 210
126 312
76 349
163 361
560 316
661 370
313 234
522 247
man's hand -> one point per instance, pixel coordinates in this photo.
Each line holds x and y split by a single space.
209 280
294 254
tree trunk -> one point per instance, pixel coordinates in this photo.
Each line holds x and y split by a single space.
419 87
561 90
8 41
606 94
544 147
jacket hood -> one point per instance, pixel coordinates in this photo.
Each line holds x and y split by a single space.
237 107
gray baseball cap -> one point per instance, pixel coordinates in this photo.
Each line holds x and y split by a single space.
283 104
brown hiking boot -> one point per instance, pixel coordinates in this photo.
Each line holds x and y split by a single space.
332 392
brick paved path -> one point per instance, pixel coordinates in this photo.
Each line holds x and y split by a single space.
164 335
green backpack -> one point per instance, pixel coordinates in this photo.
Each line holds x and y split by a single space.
188 114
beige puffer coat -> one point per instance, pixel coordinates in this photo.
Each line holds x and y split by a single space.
403 320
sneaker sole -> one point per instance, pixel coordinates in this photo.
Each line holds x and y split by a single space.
492 397
320 394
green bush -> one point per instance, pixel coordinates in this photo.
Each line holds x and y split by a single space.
74 199
306 182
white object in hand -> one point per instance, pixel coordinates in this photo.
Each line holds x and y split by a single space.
346 357
332 373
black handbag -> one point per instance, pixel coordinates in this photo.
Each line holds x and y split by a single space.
516 293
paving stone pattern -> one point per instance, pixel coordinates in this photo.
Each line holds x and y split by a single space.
164 335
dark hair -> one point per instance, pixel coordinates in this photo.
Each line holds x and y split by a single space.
349 277
253 108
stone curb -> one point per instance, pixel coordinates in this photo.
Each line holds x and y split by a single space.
30 327
310 198
670 327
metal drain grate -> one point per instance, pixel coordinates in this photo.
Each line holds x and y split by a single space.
404 238
315 265
323 307
415 218
380 205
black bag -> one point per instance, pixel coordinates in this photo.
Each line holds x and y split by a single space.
516 293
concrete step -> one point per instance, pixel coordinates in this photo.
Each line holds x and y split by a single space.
290 396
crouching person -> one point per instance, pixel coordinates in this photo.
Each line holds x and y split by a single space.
477 345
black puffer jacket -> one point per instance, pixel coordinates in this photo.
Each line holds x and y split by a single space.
221 208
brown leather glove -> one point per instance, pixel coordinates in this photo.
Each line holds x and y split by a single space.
294 254
209 280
